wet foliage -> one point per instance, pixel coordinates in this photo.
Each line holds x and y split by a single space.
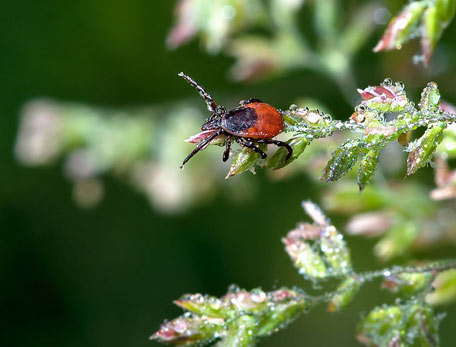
318 251
384 115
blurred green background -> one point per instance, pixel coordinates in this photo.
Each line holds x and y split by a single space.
107 276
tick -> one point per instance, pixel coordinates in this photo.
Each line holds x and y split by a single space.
253 122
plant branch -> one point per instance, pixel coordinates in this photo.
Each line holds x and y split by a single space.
319 252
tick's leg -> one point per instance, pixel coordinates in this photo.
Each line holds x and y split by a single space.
201 146
279 143
211 105
250 144
226 154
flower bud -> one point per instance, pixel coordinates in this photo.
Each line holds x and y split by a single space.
387 97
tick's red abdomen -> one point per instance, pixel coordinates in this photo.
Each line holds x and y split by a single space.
268 124
255 120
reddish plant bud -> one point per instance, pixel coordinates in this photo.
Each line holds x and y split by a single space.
401 27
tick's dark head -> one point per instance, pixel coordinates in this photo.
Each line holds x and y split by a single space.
214 122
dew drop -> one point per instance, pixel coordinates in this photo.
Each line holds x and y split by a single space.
418 59
387 82
399 85
381 15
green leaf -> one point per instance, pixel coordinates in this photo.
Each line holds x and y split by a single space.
422 150
241 332
285 305
446 10
342 160
306 258
203 305
277 160
445 289
430 98
243 161
336 253
367 167
408 284
431 32
345 293
412 324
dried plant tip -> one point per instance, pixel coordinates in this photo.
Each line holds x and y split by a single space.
369 224
308 231
202 136
315 212
186 26
404 138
